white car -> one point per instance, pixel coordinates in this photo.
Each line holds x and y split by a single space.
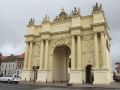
10 79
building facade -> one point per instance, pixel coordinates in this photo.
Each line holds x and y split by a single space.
117 68
12 65
84 40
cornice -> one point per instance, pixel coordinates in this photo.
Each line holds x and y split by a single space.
29 35
60 32
42 33
74 28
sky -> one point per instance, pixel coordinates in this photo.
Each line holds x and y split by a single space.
15 14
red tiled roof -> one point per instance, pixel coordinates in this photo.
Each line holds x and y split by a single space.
13 57
4 57
21 56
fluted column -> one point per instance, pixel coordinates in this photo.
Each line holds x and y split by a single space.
46 54
41 54
26 56
103 50
78 52
96 52
73 53
30 55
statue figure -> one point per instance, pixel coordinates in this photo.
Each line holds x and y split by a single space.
46 19
31 22
75 11
97 7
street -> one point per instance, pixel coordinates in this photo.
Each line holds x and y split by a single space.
21 86
5 86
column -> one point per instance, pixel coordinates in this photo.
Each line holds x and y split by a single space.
26 56
73 53
103 50
46 54
78 52
96 52
41 54
30 55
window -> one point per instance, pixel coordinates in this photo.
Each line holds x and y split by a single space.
2 66
9 65
13 65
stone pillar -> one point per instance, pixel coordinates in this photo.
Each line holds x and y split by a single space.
96 52
73 53
41 54
26 56
46 54
104 62
30 55
78 52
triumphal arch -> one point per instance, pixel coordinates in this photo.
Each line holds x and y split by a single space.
71 48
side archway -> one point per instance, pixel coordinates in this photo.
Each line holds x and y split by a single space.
89 74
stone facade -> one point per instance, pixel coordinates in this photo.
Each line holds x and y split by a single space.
83 39
12 65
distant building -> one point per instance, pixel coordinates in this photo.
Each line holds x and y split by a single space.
118 68
0 58
12 65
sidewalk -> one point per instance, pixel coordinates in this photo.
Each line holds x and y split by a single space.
65 85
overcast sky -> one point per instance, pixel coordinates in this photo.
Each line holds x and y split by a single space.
15 14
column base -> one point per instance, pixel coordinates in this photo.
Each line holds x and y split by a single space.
76 76
27 75
44 75
102 76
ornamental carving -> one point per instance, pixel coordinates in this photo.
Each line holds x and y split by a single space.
87 45
36 50
63 16
87 37
60 41
88 58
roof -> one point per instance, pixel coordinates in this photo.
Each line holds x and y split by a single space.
117 63
13 57
118 66
21 56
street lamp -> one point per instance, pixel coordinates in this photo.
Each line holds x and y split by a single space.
35 69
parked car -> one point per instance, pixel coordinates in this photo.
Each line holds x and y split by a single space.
10 79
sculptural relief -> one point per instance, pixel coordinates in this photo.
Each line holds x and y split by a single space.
60 41
87 37
36 50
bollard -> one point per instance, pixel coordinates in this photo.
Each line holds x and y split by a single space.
46 80
25 79
61 81
30 79
83 82
53 81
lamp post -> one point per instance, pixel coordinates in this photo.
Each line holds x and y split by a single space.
35 69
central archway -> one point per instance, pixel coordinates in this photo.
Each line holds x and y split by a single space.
61 63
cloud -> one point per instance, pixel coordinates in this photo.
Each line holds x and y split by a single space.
14 16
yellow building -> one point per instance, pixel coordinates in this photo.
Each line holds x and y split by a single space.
71 48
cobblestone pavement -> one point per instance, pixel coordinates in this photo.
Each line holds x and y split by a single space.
58 86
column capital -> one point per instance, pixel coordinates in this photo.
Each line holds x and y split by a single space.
47 39
95 32
102 32
26 42
79 35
